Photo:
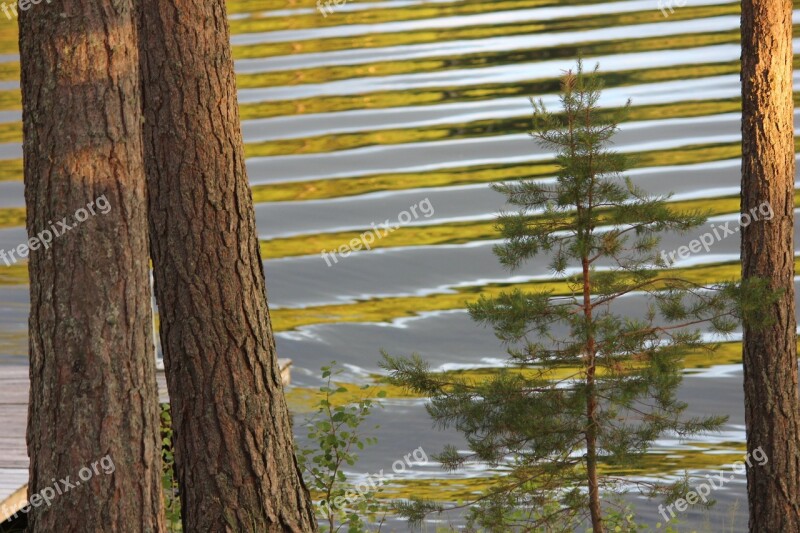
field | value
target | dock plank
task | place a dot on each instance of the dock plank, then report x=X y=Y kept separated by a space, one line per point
x=14 y=387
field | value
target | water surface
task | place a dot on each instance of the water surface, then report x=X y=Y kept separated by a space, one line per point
x=352 y=118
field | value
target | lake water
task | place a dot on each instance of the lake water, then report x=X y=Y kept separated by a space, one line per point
x=355 y=117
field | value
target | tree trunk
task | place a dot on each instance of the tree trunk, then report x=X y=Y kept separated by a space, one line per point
x=234 y=446
x=595 y=511
x=93 y=414
x=770 y=354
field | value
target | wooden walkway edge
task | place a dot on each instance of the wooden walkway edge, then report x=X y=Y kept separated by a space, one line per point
x=14 y=462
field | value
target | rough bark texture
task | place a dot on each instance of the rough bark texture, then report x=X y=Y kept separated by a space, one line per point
x=234 y=446
x=770 y=358
x=93 y=387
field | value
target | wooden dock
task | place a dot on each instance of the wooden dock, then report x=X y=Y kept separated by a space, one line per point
x=14 y=418
x=13 y=451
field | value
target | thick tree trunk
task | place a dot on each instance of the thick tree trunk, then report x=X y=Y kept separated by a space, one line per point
x=234 y=445
x=770 y=355
x=93 y=419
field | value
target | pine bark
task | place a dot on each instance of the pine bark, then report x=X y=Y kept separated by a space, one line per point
x=770 y=355
x=234 y=446
x=93 y=390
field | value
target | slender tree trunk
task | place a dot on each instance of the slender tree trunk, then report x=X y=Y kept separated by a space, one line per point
x=234 y=445
x=591 y=407
x=770 y=355
x=93 y=414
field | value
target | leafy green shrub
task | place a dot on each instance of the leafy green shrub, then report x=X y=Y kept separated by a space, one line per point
x=336 y=432
x=169 y=480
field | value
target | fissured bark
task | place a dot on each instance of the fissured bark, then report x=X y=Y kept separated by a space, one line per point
x=234 y=447
x=770 y=355
x=93 y=414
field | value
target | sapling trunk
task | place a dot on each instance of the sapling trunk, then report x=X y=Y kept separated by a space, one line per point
x=591 y=404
